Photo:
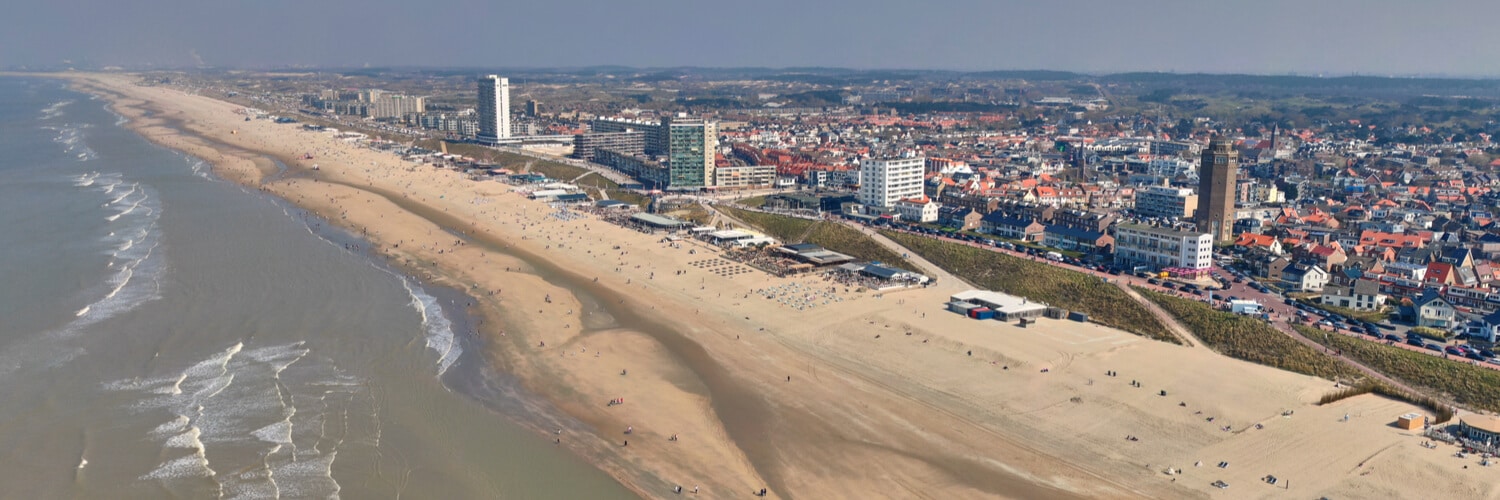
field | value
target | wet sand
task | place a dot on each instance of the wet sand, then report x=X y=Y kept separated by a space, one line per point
x=860 y=396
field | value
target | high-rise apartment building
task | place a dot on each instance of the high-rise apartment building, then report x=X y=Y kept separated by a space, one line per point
x=692 y=147
x=1165 y=202
x=533 y=108
x=883 y=181
x=1216 y=183
x=494 y=108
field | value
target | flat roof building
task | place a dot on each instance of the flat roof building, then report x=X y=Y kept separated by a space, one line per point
x=658 y=221
x=1482 y=428
x=1162 y=248
x=1166 y=202
x=630 y=142
x=1007 y=307
x=884 y=181
x=494 y=108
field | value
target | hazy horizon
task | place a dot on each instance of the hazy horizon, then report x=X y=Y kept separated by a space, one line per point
x=1268 y=37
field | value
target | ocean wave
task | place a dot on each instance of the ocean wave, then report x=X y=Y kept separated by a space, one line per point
x=437 y=329
x=71 y=137
x=284 y=412
x=435 y=324
x=55 y=109
x=132 y=249
x=199 y=167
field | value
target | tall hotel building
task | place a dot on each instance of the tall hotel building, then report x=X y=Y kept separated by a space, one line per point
x=494 y=108
x=1216 y=183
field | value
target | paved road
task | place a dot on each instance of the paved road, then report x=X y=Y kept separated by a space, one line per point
x=1286 y=316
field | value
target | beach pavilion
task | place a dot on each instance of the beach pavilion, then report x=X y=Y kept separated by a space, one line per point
x=1007 y=307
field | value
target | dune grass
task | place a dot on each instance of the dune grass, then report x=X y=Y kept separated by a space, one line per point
x=1251 y=339
x=1105 y=303
x=830 y=235
x=1474 y=387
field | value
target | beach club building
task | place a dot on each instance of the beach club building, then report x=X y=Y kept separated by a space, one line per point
x=737 y=238
x=1006 y=307
x=1482 y=428
x=654 y=221
x=812 y=254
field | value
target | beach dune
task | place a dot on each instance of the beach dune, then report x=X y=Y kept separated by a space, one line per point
x=866 y=396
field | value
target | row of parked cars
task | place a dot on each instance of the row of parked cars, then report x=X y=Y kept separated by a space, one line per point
x=1374 y=331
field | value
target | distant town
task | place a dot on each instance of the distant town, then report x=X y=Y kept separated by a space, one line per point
x=1369 y=211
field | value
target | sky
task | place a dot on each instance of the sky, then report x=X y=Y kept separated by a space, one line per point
x=1309 y=37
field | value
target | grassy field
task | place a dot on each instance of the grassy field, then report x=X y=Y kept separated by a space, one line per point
x=753 y=201
x=1471 y=386
x=630 y=197
x=1250 y=339
x=1105 y=303
x=830 y=235
x=845 y=239
x=787 y=229
x=694 y=213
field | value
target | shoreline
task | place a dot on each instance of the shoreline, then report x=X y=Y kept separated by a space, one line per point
x=467 y=320
x=871 y=412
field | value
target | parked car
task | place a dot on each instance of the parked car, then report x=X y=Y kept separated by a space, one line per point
x=1415 y=341
x=1454 y=351
x=1392 y=338
x=1434 y=347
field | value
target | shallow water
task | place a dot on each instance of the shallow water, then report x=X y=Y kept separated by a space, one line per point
x=167 y=334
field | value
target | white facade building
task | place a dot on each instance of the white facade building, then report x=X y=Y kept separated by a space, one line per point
x=1162 y=247
x=1166 y=202
x=883 y=182
x=917 y=209
x=494 y=108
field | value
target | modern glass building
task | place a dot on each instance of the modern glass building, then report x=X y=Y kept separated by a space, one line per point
x=691 y=147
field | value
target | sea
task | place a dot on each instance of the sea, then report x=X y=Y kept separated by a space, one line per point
x=167 y=334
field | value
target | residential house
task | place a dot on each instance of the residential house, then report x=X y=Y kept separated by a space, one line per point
x=1364 y=295
x=1485 y=328
x=999 y=224
x=961 y=218
x=1432 y=310
x=1304 y=277
x=1264 y=241
x=921 y=209
x=1076 y=239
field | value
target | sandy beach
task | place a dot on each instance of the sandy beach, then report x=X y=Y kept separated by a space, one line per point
x=852 y=395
